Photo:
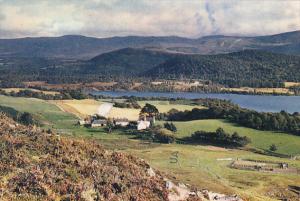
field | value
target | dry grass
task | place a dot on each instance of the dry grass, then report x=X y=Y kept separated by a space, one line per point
x=131 y=114
x=291 y=84
x=83 y=108
x=80 y=108
x=165 y=106
x=8 y=90
x=260 y=90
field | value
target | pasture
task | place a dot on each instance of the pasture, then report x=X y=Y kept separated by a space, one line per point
x=286 y=143
x=199 y=165
x=49 y=114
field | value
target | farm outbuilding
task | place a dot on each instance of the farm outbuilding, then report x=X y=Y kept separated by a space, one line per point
x=99 y=123
x=121 y=122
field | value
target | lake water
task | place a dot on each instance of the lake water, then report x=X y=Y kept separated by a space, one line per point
x=256 y=102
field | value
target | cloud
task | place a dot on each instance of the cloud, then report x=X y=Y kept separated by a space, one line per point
x=104 y=18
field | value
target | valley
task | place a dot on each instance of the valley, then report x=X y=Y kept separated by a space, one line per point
x=148 y=101
x=204 y=166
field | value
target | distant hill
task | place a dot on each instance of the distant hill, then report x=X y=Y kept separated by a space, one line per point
x=245 y=68
x=253 y=68
x=128 y=61
x=81 y=47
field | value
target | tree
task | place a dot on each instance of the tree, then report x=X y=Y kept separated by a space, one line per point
x=26 y=118
x=109 y=126
x=221 y=135
x=170 y=127
x=273 y=148
x=149 y=109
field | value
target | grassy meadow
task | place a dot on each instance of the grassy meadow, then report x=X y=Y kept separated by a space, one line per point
x=286 y=143
x=199 y=165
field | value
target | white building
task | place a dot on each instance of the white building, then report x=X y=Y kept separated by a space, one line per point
x=121 y=122
x=141 y=125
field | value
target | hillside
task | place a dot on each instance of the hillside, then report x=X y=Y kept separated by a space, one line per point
x=245 y=68
x=128 y=61
x=38 y=165
x=81 y=47
x=251 y=68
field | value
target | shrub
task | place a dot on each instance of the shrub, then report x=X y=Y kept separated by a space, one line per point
x=170 y=127
x=273 y=148
x=164 y=136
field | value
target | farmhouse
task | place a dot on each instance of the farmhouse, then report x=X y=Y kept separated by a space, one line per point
x=144 y=117
x=141 y=125
x=99 y=123
x=85 y=122
x=121 y=122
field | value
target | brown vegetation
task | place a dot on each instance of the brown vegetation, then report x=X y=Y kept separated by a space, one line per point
x=35 y=164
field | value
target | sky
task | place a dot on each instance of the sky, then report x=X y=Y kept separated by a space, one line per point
x=186 y=18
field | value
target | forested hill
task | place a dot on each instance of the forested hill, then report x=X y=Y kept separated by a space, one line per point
x=128 y=61
x=245 y=68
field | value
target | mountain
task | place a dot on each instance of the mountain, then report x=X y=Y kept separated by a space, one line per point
x=81 y=47
x=246 y=68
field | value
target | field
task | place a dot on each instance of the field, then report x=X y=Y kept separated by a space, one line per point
x=260 y=90
x=49 y=114
x=83 y=108
x=291 y=84
x=80 y=108
x=287 y=144
x=203 y=166
x=8 y=90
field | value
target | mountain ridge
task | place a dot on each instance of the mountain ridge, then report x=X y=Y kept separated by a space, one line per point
x=84 y=47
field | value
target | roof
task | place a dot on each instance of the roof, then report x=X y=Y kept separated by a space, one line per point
x=121 y=120
x=99 y=121
x=143 y=122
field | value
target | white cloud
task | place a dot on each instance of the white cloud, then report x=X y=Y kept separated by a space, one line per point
x=190 y=18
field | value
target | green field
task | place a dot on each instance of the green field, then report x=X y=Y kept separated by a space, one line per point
x=197 y=165
x=286 y=144
x=49 y=114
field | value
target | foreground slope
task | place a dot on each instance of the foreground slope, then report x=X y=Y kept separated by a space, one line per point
x=41 y=165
